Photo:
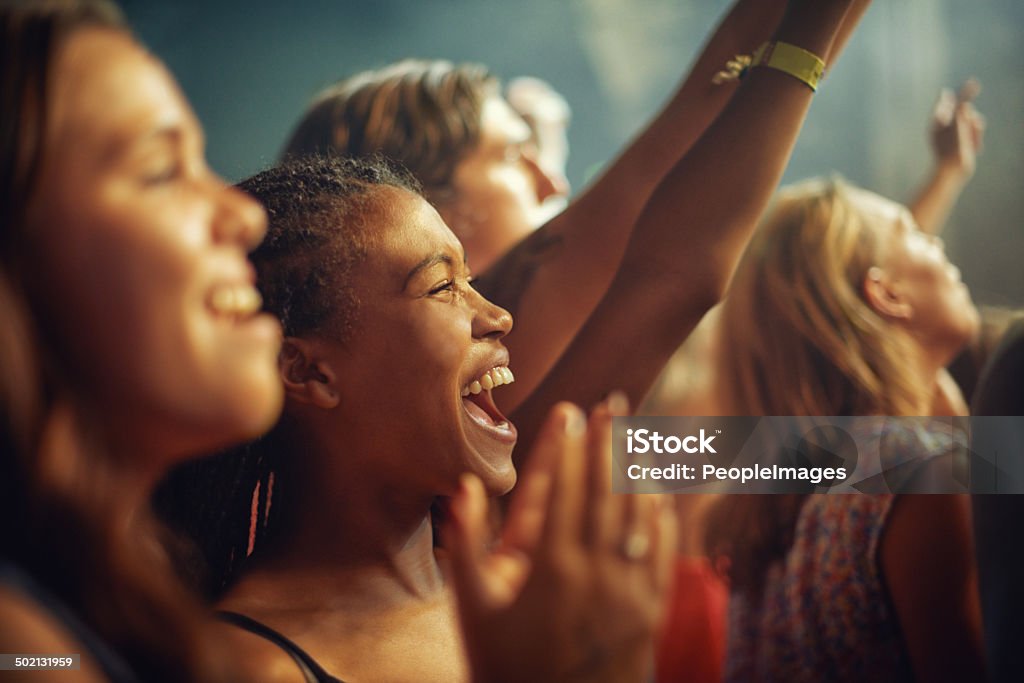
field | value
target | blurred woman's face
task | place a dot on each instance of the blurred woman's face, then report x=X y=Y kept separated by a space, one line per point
x=416 y=374
x=941 y=314
x=139 y=259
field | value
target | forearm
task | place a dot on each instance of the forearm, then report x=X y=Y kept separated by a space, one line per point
x=552 y=290
x=691 y=234
x=850 y=22
x=700 y=218
x=552 y=281
x=696 y=103
x=603 y=217
x=937 y=197
x=624 y=189
x=623 y=345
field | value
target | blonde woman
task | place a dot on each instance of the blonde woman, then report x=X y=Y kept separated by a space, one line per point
x=843 y=306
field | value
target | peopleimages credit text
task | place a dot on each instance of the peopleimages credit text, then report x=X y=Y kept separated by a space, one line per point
x=815 y=455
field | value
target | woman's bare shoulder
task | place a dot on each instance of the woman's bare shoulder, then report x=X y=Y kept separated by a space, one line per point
x=28 y=628
x=255 y=658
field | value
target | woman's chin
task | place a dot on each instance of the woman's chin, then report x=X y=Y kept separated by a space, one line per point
x=497 y=477
x=499 y=485
x=253 y=416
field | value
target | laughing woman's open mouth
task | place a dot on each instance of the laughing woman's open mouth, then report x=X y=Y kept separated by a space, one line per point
x=479 y=404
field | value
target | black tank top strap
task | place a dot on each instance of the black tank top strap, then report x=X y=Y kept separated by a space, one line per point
x=312 y=671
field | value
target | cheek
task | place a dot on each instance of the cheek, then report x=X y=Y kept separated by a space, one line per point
x=946 y=304
x=422 y=353
x=125 y=273
x=515 y=187
x=404 y=398
x=154 y=336
x=497 y=193
x=440 y=351
x=124 y=292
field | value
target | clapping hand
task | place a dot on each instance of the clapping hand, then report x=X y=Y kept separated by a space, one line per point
x=575 y=587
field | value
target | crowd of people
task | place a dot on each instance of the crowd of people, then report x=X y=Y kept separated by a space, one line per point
x=287 y=430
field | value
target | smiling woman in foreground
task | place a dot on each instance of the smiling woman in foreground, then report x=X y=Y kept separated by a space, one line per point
x=129 y=341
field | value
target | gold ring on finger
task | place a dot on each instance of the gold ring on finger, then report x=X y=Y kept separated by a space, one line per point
x=635 y=546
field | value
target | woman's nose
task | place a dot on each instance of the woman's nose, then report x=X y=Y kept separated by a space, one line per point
x=490 y=320
x=240 y=218
x=548 y=182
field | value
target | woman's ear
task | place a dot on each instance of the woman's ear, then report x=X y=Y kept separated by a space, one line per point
x=881 y=295
x=307 y=377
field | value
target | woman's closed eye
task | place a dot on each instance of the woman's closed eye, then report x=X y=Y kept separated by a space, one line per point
x=163 y=173
x=452 y=288
x=442 y=288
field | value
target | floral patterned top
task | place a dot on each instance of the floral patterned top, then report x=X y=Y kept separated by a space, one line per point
x=825 y=614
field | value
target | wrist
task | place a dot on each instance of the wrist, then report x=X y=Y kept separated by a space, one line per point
x=804 y=66
x=812 y=25
x=952 y=170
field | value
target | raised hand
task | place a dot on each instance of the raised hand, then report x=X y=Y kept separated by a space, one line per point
x=957 y=129
x=956 y=132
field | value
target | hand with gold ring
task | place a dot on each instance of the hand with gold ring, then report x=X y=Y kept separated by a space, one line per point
x=578 y=581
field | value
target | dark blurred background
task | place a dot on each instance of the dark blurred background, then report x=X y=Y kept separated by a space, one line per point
x=249 y=68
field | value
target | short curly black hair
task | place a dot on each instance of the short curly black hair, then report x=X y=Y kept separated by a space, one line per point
x=317 y=211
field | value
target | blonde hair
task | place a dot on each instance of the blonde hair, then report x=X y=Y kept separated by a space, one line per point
x=799 y=337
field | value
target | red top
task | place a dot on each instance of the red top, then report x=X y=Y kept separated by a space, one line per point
x=692 y=643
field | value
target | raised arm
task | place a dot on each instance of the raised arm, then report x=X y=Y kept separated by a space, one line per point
x=957 y=130
x=552 y=281
x=691 y=233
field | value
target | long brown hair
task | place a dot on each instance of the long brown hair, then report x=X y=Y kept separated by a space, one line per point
x=425 y=114
x=64 y=517
x=799 y=338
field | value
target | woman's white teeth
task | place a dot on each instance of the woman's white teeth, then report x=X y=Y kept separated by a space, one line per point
x=235 y=300
x=494 y=377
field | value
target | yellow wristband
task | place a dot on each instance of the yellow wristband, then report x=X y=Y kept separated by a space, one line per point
x=802 y=65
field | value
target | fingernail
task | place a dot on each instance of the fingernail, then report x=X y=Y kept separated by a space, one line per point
x=618 y=403
x=575 y=424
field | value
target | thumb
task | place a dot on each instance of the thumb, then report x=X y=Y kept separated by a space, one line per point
x=945 y=107
x=977 y=126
